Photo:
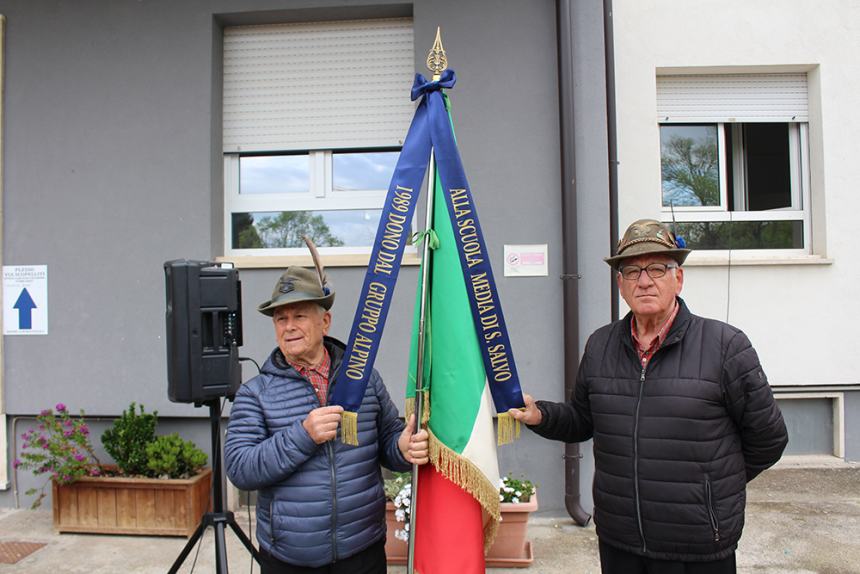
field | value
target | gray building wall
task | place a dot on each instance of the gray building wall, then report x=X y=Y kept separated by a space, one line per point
x=852 y=426
x=113 y=166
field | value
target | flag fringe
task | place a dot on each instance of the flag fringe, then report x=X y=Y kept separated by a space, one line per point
x=465 y=474
x=349 y=428
x=509 y=429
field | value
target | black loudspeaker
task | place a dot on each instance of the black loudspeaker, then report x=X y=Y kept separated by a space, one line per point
x=204 y=331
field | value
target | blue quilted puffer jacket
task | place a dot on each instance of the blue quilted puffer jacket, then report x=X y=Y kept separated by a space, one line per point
x=316 y=504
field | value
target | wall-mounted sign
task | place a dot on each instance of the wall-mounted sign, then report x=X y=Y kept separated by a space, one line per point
x=25 y=299
x=526 y=261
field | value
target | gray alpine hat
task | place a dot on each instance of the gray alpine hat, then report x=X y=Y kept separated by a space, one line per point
x=298 y=284
x=647 y=237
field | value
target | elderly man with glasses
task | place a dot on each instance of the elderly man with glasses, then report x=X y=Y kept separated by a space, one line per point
x=681 y=414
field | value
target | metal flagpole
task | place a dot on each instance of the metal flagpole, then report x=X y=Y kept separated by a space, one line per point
x=437 y=62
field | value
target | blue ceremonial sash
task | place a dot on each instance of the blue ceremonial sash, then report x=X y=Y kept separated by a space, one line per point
x=430 y=128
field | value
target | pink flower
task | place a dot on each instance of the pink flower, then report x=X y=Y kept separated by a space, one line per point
x=95 y=472
x=61 y=408
x=45 y=413
x=79 y=457
x=68 y=433
x=16 y=463
x=85 y=430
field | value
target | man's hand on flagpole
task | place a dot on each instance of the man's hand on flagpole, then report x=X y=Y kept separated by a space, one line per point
x=531 y=415
x=321 y=424
x=415 y=447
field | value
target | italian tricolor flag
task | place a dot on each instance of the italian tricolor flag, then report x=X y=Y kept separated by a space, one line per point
x=457 y=509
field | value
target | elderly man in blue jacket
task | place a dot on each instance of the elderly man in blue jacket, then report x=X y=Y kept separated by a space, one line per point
x=320 y=503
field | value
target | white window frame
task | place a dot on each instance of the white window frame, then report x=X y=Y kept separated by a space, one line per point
x=721 y=165
x=320 y=197
x=800 y=189
x=283 y=93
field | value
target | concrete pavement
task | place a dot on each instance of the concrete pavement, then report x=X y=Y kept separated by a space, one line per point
x=799 y=521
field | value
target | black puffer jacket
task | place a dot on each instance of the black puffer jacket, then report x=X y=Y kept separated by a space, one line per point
x=675 y=444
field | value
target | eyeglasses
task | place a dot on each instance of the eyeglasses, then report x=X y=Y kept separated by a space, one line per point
x=654 y=270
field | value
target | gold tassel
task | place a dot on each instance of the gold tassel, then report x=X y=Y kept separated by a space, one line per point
x=349 y=428
x=409 y=408
x=509 y=429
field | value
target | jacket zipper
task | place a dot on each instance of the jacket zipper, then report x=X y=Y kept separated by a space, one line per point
x=712 y=515
x=330 y=452
x=636 y=460
x=330 y=449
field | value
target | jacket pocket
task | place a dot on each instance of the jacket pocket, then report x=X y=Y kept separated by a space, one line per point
x=712 y=511
x=272 y=523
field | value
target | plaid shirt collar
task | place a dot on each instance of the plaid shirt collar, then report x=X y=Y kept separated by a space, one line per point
x=645 y=353
x=318 y=376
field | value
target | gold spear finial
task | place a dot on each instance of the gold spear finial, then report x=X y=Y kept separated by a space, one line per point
x=437 y=61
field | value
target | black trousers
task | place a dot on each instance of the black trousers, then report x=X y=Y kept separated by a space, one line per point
x=614 y=561
x=369 y=561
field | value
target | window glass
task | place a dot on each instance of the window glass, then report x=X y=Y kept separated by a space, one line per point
x=274 y=174
x=689 y=161
x=706 y=235
x=329 y=228
x=363 y=171
x=768 y=166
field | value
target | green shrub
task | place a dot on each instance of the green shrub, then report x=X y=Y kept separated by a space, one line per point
x=126 y=441
x=171 y=457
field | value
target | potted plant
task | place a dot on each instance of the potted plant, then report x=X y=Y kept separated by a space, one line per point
x=510 y=549
x=398 y=494
x=157 y=487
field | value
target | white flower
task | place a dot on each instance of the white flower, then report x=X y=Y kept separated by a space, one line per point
x=518 y=493
x=501 y=498
x=400 y=515
x=401 y=535
x=515 y=500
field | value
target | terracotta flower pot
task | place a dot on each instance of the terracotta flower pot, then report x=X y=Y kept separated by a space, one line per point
x=509 y=550
x=395 y=550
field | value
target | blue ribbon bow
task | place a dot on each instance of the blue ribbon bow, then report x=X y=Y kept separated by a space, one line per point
x=422 y=85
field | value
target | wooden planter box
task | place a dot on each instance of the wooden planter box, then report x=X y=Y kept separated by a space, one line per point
x=148 y=506
x=509 y=550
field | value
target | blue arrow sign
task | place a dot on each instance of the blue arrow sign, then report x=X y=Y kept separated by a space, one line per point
x=25 y=306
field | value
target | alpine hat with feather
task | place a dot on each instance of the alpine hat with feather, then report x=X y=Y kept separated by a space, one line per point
x=649 y=237
x=298 y=284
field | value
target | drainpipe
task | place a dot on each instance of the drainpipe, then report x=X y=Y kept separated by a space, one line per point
x=611 y=129
x=570 y=275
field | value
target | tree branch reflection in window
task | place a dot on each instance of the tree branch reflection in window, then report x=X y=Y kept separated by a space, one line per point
x=689 y=161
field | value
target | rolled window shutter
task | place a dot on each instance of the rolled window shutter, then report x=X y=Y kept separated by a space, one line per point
x=317 y=85
x=732 y=98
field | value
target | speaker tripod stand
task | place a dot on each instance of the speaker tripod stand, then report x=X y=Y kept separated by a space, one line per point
x=218 y=519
